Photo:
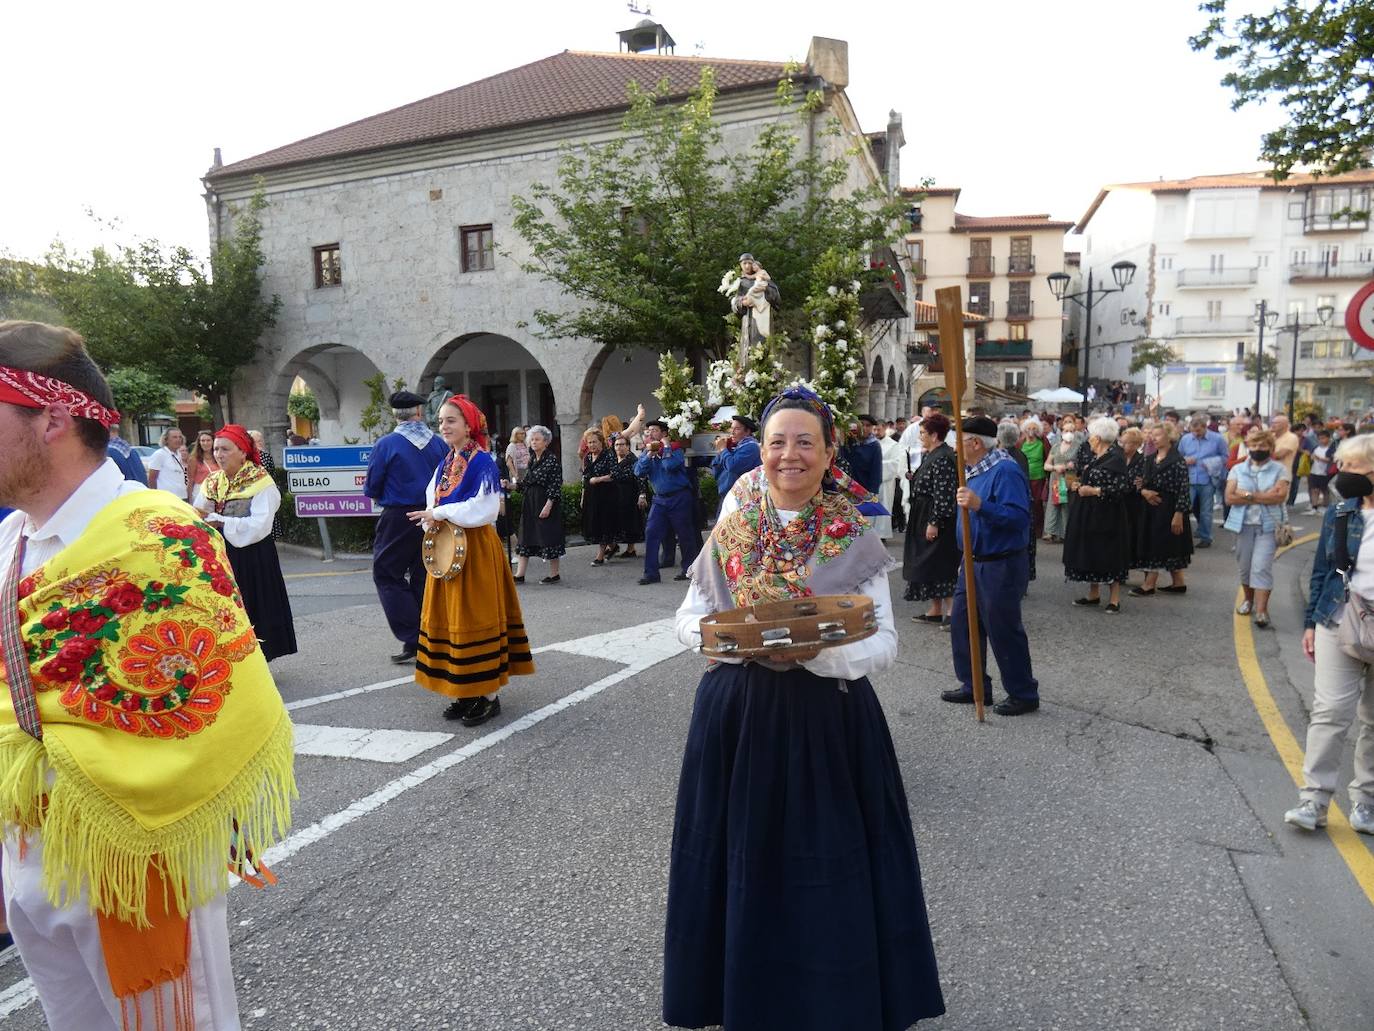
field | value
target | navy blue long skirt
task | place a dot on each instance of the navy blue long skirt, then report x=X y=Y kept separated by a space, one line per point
x=794 y=895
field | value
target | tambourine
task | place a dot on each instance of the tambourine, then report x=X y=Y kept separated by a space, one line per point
x=780 y=630
x=444 y=550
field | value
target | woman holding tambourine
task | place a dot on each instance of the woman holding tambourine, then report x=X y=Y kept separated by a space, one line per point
x=472 y=634
x=794 y=891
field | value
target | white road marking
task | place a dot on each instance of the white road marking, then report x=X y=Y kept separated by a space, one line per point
x=305 y=703
x=642 y=647
x=378 y=746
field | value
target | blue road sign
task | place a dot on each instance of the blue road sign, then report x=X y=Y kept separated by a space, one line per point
x=334 y=457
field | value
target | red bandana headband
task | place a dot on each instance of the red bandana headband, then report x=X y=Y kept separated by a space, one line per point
x=30 y=390
x=472 y=415
x=238 y=436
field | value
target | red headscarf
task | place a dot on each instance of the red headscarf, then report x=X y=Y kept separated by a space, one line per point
x=238 y=436
x=31 y=390
x=472 y=415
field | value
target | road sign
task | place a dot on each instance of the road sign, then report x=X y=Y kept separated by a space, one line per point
x=1359 y=316
x=310 y=506
x=327 y=481
x=340 y=457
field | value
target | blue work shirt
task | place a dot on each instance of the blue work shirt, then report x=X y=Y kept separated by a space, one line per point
x=1002 y=522
x=865 y=461
x=1212 y=445
x=666 y=474
x=4 y=512
x=127 y=459
x=732 y=463
x=398 y=472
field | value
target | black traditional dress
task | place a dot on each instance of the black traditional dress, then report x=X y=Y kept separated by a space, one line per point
x=794 y=890
x=629 y=520
x=1135 y=504
x=599 y=500
x=1157 y=546
x=543 y=479
x=931 y=568
x=1097 y=544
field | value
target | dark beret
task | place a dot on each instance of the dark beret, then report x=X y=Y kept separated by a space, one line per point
x=748 y=423
x=657 y=422
x=980 y=426
x=405 y=399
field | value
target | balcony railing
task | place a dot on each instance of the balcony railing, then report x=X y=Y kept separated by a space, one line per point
x=918 y=268
x=1003 y=349
x=1341 y=223
x=1222 y=325
x=980 y=306
x=1195 y=277
x=1020 y=310
x=1331 y=270
x=1021 y=265
x=982 y=265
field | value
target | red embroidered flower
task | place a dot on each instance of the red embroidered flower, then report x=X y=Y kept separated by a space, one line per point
x=85 y=622
x=838 y=528
x=77 y=649
x=212 y=567
x=123 y=599
x=222 y=585
x=179 y=531
x=734 y=567
x=204 y=550
x=105 y=692
x=189 y=681
x=26 y=586
x=57 y=619
x=131 y=703
x=197 y=534
x=61 y=669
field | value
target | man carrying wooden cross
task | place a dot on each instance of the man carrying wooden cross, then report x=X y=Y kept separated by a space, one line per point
x=997 y=499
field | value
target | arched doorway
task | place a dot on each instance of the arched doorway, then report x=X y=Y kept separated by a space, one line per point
x=501 y=377
x=337 y=375
x=877 y=390
x=892 y=396
x=903 y=398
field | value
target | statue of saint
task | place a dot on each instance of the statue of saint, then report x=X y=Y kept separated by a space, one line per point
x=436 y=400
x=753 y=303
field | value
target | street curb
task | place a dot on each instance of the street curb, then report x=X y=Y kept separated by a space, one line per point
x=310 y=551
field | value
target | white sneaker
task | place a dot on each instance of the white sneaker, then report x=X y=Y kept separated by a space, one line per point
x=1362 y=818
x=1311 y=512
x=1306 y=814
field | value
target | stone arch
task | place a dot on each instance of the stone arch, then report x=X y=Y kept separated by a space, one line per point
x=892 y=396
x=503 y=377
x=335 y=373
x=903 y=397
x=618 y=379
x=877 y=390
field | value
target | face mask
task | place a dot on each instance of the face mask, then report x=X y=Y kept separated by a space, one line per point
x=1067 y=435
x=1352 y=485
x=1259 y=457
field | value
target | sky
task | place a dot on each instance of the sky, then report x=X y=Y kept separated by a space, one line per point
x=115 y=109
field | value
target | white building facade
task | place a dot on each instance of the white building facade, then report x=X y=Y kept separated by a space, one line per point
x=390 y=241
x=1208 y=251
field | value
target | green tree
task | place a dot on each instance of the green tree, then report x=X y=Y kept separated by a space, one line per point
x=1269 y=368
x=138 y=392
x=303 y=405
x=1317 y=60
x=375 y=419
x=167 y=311
x=22 y=295
x=1151 y=354
x=636 y=232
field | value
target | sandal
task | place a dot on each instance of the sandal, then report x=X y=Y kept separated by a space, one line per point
x=1243 y=609
x=1261 y=619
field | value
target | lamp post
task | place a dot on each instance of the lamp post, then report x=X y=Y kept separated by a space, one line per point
x=1122 y=273
x=1294 y=323
x=1263 y=317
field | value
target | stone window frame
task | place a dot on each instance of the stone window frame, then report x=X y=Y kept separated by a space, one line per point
x=486 y=251
x=328 y=265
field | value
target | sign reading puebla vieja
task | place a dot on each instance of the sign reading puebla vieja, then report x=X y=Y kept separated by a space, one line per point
x=328 y=481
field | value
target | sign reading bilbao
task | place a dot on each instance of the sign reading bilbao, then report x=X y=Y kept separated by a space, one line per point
x=328 y=481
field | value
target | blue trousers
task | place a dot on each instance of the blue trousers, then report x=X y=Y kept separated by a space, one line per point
x=399 y=573
x=1202 y=498
x=675 y=512
x=1000 y=582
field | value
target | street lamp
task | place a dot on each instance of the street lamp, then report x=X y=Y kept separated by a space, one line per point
x=1263 y=317
x=1122 y=274
x=1294 y=323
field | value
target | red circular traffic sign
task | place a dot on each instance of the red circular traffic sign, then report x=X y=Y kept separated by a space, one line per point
x=1359 y=316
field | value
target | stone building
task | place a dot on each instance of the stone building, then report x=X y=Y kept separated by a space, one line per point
x=390 y=240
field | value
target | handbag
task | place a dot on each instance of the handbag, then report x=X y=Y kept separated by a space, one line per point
x=1283 y=533
x=1355 y=632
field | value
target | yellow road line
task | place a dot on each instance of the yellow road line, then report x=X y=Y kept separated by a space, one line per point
x=337 y=572
x=1357 y=857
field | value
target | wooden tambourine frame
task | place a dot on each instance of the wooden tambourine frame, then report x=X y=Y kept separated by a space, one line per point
x=444 y=551
x=779 y=631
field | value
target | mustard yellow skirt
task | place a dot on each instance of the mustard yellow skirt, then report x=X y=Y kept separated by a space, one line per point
x=472 y=634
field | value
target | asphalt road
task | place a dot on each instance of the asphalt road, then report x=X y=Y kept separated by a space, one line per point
x=1116 y=861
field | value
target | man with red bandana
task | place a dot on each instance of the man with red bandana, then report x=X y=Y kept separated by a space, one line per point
x=144 y=750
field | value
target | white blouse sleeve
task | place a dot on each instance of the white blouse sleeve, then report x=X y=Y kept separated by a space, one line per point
x=257 y=525
x=478 y=511
x=871 y=655
x=199 y=502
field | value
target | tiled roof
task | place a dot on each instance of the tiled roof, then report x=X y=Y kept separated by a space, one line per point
x=973 y=223
x=1235 y=180
x=562 y=86
x=927 y=316
x=931 y=191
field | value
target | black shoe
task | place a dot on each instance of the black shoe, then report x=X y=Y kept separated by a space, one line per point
x=460 y=708
x=960 y=697
x=682 y=576
x=1140 y=592
x=1112 y=607
x=483 y=710
x=1203 y=544
x=407 y=655
x=645 y=580
x=926 y=617
x=1015 y=707
x=1087 y=601
x=519 y=579
x=598 y=561
x=1171 y=589
x=551 y=580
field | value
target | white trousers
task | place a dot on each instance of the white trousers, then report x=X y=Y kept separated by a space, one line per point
x=1344 y=695
x=61 y=952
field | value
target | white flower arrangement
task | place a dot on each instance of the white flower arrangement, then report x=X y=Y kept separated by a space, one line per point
x=854 y=286
x=822 y=331
x=729 y=283
x=839 y=323
x=832 y=290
